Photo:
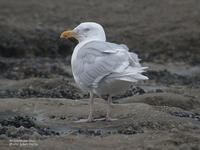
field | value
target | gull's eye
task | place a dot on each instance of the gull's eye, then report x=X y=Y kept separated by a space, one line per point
x=86 y=29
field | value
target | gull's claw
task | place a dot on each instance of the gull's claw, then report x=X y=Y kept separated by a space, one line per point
x=94 y=120
x=111 y=119
x=84 y=120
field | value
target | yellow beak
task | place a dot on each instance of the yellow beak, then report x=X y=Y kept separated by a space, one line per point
x=67 y=34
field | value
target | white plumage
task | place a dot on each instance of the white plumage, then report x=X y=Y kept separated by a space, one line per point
x=101 y=67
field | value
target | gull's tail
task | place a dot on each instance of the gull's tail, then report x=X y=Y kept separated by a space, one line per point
x=131 y=74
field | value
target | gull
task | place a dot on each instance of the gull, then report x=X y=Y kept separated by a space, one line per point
x=100 y=67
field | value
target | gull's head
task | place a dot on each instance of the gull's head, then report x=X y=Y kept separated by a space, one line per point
x=86 y=31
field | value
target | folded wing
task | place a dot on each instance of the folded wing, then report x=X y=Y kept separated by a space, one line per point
x=98 y=60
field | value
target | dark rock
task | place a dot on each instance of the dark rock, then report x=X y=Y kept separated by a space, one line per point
x=25 y=68
x=23 y=127
x=186 y=114
x=130 y=92
x=159 y=91
x=18 y=121
x=90 y=132
x=130 y=129
x=168 y=78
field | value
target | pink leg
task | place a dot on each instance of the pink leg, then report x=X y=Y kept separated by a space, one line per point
x=91 y=105
x=108 y=114
x=90 y=117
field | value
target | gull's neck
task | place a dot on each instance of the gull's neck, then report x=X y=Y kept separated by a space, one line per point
x=87 y=40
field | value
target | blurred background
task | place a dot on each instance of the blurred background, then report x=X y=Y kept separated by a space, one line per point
x=158 y=30
x=35 y=62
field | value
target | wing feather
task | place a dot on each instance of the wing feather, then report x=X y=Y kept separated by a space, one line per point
x=97 y=60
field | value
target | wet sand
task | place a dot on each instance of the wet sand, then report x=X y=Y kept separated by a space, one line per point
x=163 y=113
x=141 y=124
